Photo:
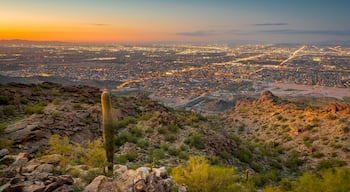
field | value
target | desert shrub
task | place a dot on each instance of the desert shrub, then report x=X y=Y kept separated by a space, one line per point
x=241 y=127
x=4 y=142
x=142 y=143
x=124 y=137
x=331 y=117
x=330 y=180
x=94 y=155
x=170 y=137
x=155 y=155
x=271 y=188
x=124 y=122
x=173 y=151
x=9 y=110
x=3 y=126
x=199 y=176
x=192 y=118
x=281 y=118
x=91 y=175
x=174 y=128
x=56 y=113
x=183 y=155
x=307 y=141
x=161 y=130
x=136 y=131
x=345 y=129
x=329 y=163
x=56 y=101
x=293 y=161
x=245 y=155
x=195 y=140
x=224 y=155
x=127 y=157
x=235 y=137
x=32 y=109
x=61 y=147
x=263 y=179
x=4 y=100
x=77 y=106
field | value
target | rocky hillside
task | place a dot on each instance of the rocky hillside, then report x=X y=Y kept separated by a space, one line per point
x=32 y=113
x=51 y=139
x=316 y=134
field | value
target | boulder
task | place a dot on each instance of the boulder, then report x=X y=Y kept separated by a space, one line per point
x=95 y=185
x=47 y=168
x=34 y=188
x=4 y=152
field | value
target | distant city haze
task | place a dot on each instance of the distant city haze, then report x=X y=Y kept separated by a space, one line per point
x=139 y=21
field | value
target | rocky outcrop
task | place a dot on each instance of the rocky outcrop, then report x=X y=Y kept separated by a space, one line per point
x=143 y=179
x=267 y=96
x=335 y=107
x=21 y=174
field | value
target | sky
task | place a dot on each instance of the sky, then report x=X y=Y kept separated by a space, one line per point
x=216 y=21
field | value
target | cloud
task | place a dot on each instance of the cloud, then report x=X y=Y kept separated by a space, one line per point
x=270 y=24
x=196 y=33
x=100 y=24
x=236 y=32
x=308 y=32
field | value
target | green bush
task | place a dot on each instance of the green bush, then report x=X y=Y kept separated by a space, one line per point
x=9 y=110
x=3 y=126
x=142 y=143
x=245 y=155
x=128 y=157
x=199 y=176
x=91 y=175
x=224 y=155
x=4 y=100
x=173 y=151
x=329 y=163
x=331 y=117
x=174 y=128
x=293 y=161
x=195 y=140
x=161 y=130
x=77 y=106
x=156 y=155
x=124 y=137
x=32 y=109
x=94 y=155
x=171 y=138
x=330 y=180
x=263 y=179
x=136 y=131
x=56 y=101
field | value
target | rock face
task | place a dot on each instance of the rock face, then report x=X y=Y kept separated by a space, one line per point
x=71 y=111
x=266 y=96
x=143 y=179
x=22 y=174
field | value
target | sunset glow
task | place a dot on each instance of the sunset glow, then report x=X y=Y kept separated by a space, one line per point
x=154 y=21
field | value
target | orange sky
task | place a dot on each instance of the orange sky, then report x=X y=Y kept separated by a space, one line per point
x=180 y=20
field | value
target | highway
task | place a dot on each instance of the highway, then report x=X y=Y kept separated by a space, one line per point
x=293 y=55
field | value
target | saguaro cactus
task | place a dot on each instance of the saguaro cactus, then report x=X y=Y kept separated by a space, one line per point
x=107 y=128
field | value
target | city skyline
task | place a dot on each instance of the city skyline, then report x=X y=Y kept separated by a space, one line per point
x=175 y=21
